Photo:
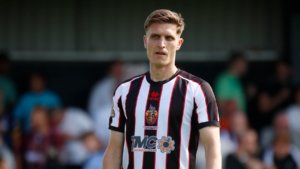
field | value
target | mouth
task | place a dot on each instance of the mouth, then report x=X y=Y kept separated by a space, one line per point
x=161 y=53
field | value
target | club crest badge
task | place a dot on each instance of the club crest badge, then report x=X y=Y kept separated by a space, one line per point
x=151 y=115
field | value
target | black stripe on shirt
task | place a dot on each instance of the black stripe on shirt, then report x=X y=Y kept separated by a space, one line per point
x=149 y=157
x=175 y=119
x=131 y=102
x=194 y=139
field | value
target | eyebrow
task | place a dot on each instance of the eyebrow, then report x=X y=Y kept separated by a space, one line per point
x=156 y=34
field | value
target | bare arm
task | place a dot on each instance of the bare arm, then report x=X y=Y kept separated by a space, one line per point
x=113 y=154
x=210 y=138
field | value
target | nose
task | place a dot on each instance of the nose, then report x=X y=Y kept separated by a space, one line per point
x=162 y=43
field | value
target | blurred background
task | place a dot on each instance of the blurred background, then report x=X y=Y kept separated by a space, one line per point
x=60 y=61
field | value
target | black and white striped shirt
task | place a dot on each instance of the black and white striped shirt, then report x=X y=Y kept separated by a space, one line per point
x=161 y=120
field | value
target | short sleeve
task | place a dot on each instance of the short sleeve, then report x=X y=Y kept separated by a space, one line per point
x=205 y=106
x=117 y=119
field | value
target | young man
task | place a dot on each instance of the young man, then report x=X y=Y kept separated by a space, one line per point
x=157 y=117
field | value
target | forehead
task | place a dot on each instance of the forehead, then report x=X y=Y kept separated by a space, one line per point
x=162 y=29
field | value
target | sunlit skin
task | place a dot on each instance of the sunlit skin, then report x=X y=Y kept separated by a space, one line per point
x=161 y=42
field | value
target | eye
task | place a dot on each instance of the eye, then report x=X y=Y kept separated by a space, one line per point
x=154 y=37
x=170 y=38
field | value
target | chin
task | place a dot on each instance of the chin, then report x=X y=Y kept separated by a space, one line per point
x=159 y=64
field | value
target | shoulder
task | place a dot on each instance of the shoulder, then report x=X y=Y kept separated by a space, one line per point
x=128 y=82
x=195 y=80
x=134 y=78
x=191 y=78
x=199 y=85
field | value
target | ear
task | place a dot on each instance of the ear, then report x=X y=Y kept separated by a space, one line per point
x=145 y=41
x=180 y=42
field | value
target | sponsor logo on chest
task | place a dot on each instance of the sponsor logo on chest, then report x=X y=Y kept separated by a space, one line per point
x=151 y=144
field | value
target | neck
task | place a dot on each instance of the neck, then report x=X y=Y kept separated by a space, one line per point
x=162 y=73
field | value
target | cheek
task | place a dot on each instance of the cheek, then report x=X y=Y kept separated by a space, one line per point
x=149 y=47
x=172 y=50
x=173 y=47
x=149 y=51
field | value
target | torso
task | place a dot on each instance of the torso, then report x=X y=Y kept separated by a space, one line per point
x=161 y=123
